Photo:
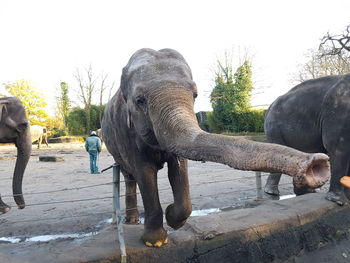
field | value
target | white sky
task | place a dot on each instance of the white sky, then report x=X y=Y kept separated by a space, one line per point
x=45 y=41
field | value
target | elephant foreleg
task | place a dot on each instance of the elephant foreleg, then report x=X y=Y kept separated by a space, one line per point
x=340 y=165
x=46 y=142
x=4 y=208
x=39 y=141
x=154 y=233
x=271 y=186
x=132 y=214
x=177 y=213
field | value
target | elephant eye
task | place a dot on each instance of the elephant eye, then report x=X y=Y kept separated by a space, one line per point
x=141 y=101
x=195 y=95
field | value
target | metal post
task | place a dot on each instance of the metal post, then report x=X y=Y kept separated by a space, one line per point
x=117 y=217
x=258 y=185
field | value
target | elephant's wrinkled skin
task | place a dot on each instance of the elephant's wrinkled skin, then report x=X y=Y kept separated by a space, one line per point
x=314 y=117
x=150 y=121
x=14 y=128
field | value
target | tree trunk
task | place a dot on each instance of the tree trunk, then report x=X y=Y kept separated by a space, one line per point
x=88 y=119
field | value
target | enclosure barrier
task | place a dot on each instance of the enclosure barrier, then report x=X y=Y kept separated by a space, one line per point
x=117 y=215
x=258 y=185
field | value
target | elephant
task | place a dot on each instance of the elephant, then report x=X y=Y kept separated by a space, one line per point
x=313 y=117
x=150 y=121
x=39 y=133
x=15 y=128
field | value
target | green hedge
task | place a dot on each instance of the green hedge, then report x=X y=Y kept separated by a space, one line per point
x=247 y=121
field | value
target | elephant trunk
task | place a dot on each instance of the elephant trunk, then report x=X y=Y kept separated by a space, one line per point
x=24 y=148
x=177 y=130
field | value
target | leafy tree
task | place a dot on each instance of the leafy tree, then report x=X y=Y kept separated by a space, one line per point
x=231 y=95
x=64 y=106
x=76 y=120
x=244 y=87
x=33 y=101
x=55 y=126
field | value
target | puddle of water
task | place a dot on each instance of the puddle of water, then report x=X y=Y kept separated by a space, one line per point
x=283 y=197
x=77 y=236
x=46 y=238
x=12 y=240
x=205 y=212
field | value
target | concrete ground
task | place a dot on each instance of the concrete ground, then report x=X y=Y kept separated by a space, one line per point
x=63 y=199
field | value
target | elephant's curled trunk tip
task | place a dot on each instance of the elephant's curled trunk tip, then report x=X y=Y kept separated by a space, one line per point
x=316 y=171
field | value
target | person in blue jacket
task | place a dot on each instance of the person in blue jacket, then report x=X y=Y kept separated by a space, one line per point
x=93 y=147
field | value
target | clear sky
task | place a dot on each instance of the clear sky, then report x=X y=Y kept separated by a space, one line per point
x=45 y=41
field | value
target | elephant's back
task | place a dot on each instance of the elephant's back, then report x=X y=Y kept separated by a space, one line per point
x=304 y=101
x=36 y=131
x=299 y=114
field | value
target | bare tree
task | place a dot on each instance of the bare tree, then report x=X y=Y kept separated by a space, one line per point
x=103 y=88
x=110 y=90
x=332 y=45
x=86 y=90
x=88 y=86
x=319 y=65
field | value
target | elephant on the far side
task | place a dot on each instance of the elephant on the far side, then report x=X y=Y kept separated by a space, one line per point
x=314 y=116
x=39 y=133
x=15 y=128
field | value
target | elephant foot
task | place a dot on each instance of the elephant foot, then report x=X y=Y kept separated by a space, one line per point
x=20 y=201
x=134 y=219
x=172 y=220
x=271 y=189
x=21 y=206
x=132 y=216
x=303 y=191
x=347 y=193
x=155 y=238
x=4 y=208
x=337 y=198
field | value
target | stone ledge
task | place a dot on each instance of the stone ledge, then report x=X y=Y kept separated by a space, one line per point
x=273 y=231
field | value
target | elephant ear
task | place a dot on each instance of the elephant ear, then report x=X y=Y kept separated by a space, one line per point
x=3 y=109
x=124 y=83
x=8 y=120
